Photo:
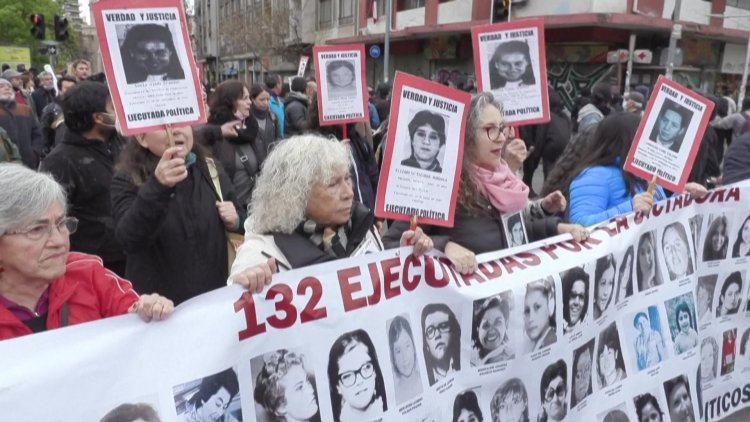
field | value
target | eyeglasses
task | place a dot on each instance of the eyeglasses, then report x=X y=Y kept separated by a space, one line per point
x=493 y=132
x=349 y=378
x=431 y=331
x=67 y=225
x=552 y=392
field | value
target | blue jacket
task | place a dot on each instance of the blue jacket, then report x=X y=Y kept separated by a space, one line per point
x=374 y=117
x=277 y=107
x=599 y=193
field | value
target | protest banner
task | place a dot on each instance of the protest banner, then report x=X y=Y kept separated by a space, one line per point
x=633 y=319
x=510 y=61
x=669 y=135
x=149 y=64
x=422 y=159
x=340 y=72
x=302 y=65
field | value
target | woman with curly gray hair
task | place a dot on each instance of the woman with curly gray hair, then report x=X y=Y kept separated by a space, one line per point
x=303 y=213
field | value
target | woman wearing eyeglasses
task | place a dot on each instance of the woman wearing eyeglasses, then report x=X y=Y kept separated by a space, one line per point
x=489 y=188
x=441 y=342
x=554 y=392
x=43 y=285
x=355 y=380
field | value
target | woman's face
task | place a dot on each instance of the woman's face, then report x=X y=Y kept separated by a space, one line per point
x=299 y=395
x=704 y=300
x=512 y=66
x=650 y=414
x=492 y=329
x=357 y=360
x=467 y=416
x=342 y=76
x=746 y=231
x=517 y=233
x=486 y=152
x=425 y=143
x=683 y=320
x=643 y=325
x=535 y=314
x=680 y=404
x=582 y=375
x=707 y=361
x=152 y=56
x=404 y=355
x=731 y=299
x=330 y=204
x=158 y=141
x=440 y=342
x=608 y=361
x=675 y=252
x=605 y=285
x=576 y=301
x=646 y=256
x=626 y=271
x=213 y=409
x=511 y=408
x=719 y=238
x=554 y=399
x=261 y=101
x=41 y=260
x=242 y=104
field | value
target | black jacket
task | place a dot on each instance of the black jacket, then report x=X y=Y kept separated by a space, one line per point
x=295 y=114
x=479 y=232
x=175 y=241
x=85 y=168
x=737 y=160
x=41 y=98
x=365 y=169
x=19 y=121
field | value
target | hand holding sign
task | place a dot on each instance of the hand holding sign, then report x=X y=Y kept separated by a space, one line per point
x=171 y=169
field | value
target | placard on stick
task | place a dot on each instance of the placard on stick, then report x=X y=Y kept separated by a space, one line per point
x=149 y=64
x=422 y=161
x=340 y=73
x=510 y=62
x=669 y=135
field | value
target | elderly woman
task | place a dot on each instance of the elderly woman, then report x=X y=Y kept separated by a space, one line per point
x=303 y=213
x=172 y=207
x=42 y=285
x=488 y=189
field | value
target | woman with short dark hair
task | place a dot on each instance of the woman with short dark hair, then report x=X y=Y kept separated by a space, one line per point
x=466 y=408
x=210 y=402
x=148 y=54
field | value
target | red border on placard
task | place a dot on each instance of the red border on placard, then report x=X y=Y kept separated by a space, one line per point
x=696 y=143
x=339 y=48
x=519 y=24
x=103 y=5
x=439 y=90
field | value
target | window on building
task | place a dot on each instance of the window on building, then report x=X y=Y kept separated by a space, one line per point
x=408 y=4
x=741 y=4
x=346 y=12
x=325 y=13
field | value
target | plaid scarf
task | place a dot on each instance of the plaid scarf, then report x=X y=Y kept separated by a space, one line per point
x=329 y=240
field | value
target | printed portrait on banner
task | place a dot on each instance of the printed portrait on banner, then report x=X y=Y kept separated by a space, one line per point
x=340 y=71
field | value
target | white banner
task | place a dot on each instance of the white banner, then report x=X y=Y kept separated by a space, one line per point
x=649 y=315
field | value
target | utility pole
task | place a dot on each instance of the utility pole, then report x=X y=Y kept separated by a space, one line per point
x=387 y=49
x=673 y=37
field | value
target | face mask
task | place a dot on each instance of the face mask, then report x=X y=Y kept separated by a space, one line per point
x=110 y=120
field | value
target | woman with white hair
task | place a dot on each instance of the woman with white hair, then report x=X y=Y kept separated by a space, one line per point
x=43 y=285
x=303 y=213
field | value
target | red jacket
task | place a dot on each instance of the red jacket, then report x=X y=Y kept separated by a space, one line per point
x=91 y=292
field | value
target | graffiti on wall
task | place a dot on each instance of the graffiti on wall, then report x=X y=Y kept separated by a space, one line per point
x=570 y=79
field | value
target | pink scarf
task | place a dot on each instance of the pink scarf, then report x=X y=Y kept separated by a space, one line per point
x=505 y=191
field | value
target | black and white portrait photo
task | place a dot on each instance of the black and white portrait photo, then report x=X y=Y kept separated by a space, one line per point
x=647 y=262
x=441 y=342
x=426 y=140
x=539 y=314
x=583 y=364
x=209 y=399
x=553 y=390
x=717 y=239
x=489 y=330
x=604 y=284
x=342 y=79
x=510 y=403
x=730 y=295
x=511 y=65
x=149 y=54
x=676 y=249
x=744 y=356
x=615 y=414
x=610 y=366
x=515 y=229
x=625 y=276
x=284 y=387
x=355 y=379
x=407 y=380
x=466 y=407
x=671 y=125
x=647 y=339
x=647 y=407
x=575 y=296
x=682 y=322
x=696 y=225
x=709 y=360
x=741 y=245
x=704 y=297
x=132 y=412
x=679 y=400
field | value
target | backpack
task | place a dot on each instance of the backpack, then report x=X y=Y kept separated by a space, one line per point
x=8 y=150
x=746 y=126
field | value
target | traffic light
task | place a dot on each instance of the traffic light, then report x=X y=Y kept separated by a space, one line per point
x=37 y=29
x=61 y=28
x=500 y=10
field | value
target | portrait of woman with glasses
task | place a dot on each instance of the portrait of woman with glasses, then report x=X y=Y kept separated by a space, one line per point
x=553 y=390
x=426 y=138
x=441 y=342
x=355 y=379
x=148 y=54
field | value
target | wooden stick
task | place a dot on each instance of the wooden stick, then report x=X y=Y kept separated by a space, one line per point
x=651 y=185
x=413 y=225
x=170 y=135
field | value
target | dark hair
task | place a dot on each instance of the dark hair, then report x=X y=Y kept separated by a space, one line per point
x=338 y=64
x=646 y=399
x=522 y=47
x=738 y=242
x=466 y=400
x=601 y=97
x=602 y=265
x=211 y=384
x=149 y=32
x=512 y=386
x=271 y=81
x=683 y=112
x=341 y=346
x=568 y=280
x=734 y=278
x=718 y=226
x=554 y=370
x=683 y=308
x=426 y=117
x=608 y=338
x=298 y=84
x=622 y=275
x=81 y=102
x=680 y=230
x=638 y=316
x=130 y=412
x=399 y=325
x=383 y=90
x=255 y=90
x=586 y=348
x=453 y=349
x=481 y=308
x=221 y=103
x=616 y=415
x=70 y=79
x=743 y=342
x=671 y=385
x=647 y=237
x=578 y=148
